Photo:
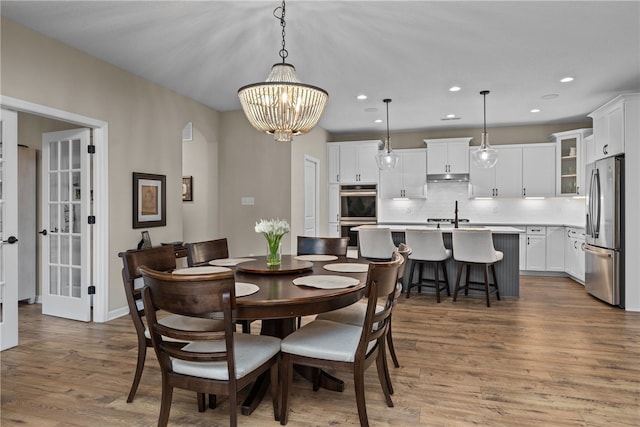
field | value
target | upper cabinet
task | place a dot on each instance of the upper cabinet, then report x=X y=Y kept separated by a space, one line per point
x=448 y=156
x=571 y=154
x=358 y=162
x=333 y=163
x=409 y=178
x=615 y=124
x=526 y=170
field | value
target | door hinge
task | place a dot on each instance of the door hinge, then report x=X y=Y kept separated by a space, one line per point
x=92 y=290
x=91 y=149
x=91 y=219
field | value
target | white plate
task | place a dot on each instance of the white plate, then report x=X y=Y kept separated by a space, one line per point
x=205 y=269
x=229 y=262
x=243 y=289
x=316 y=257
x=326 y=281
x=347 y=267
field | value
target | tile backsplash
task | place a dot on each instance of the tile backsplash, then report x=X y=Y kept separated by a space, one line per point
x=440 y=203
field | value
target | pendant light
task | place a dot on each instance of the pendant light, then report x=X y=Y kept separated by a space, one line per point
x=485 y=156
x=281 y=105
x=387 y=159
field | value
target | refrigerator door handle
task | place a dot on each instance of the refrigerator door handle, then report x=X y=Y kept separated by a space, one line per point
x=597 y=252
x=597 y=207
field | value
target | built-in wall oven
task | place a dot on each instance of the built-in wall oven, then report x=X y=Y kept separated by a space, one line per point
x=358 y=206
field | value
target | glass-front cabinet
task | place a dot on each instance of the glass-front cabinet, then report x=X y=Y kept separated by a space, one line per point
x=570 y=164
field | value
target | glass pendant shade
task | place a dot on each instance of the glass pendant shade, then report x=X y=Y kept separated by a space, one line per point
x=485 y=156
x=387 y=159
x=283 y=106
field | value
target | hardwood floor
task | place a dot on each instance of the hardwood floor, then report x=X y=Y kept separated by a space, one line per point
x=553 y=357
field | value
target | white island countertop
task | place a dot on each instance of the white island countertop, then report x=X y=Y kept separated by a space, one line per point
x=446 y=228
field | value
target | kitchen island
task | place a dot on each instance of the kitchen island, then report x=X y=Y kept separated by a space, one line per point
x=505 y=240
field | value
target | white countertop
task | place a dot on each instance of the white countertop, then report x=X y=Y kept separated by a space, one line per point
x=492 y=224
x=446 y=228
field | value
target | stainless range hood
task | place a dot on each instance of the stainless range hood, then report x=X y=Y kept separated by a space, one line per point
x=448 y=177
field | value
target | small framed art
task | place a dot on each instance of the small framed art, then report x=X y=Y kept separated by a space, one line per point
x=187 y=189
x=149 y=200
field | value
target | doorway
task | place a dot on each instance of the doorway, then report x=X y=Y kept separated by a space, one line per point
x=99 y=262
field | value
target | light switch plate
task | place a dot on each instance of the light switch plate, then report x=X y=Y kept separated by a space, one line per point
x=245 y=201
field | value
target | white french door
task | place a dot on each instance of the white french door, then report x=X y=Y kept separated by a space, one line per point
x=66 y=238
x=9 y=238
x=311 y=195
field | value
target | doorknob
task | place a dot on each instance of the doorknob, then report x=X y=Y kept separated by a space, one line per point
x=43 y=232
x=11 y=240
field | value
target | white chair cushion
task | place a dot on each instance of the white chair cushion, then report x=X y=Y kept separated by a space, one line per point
x=188 y=324
x=324 y=339
x=351 y=315
x=250 y=351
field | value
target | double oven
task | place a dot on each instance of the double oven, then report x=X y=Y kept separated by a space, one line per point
x=358 y=206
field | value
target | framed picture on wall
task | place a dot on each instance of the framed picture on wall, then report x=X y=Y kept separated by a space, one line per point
x=187 y=189
x=149 y=200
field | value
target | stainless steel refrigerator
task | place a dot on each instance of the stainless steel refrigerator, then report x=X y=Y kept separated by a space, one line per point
x=604 y=234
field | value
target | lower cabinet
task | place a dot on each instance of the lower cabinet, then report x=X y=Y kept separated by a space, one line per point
x=574 y=253
x=536 y=248
x=555 y=249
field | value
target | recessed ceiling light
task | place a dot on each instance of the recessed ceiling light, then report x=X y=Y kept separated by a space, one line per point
x=377 y=121
x=450 y=116
x=362 y=97
x=454 y=88
x=566 y=79
x=535 y=110
x=550 y=96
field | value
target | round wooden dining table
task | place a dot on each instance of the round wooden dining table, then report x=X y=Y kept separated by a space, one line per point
x=279 y=302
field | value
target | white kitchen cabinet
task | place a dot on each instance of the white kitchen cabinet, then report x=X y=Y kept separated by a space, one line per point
x=588 y=149
x=555 y=248
x=448 y=155
x=333 y=163
x=570 y=161
x=333 y=203
x=538 y=170
x=574 y=253
x=358 y=162
x=409 y=178
x=523 y=248
x=536 y=248
x=615 y=124
x=502 y=180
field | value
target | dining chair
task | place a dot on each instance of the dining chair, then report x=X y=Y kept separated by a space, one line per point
x=325 y=344
x=200 y=253
x=213 y=362
x=375 y=244
x=354 y=314
x=428 y=250
x=160 y=258
x=473 y=247
x=308 y=245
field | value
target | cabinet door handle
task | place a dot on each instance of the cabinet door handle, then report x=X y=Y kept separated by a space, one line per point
x=338 y=178
x=528 y=241
x=605 y=148
x=575 y=244
x=524 y=192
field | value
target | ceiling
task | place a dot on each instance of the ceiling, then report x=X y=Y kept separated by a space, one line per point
x=412 y=52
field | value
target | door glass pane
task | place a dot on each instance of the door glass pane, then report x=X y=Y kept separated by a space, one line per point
x=53 y=186
x=75 y=189
x=75 y=218
x=64 y=281
x=65 y=218
x=53 y=156
x=53 y=280
x=76 y=247
x=64 y=250
x=64 y=154
x=75 y=282
x=53 y=249
x=53 y=218
x=64 y=186
x=75 y=154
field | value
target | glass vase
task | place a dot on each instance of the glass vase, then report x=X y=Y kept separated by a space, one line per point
x=274 y=258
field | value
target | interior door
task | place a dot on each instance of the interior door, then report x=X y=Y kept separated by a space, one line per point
x=65 y=266
x=8 y=229
x=311 y=192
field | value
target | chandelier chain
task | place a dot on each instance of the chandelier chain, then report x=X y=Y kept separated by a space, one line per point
x=279 y=13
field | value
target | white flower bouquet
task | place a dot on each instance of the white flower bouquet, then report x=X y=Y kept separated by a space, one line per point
x=273 y=230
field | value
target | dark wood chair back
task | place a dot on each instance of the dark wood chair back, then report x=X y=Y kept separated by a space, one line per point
x=323 y=245
x=204 y=296
x=161 y=258
x=200 y=253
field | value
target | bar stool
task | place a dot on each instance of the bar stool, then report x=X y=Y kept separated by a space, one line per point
x=376 y=244
x=428 y=249
x=474 y=247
